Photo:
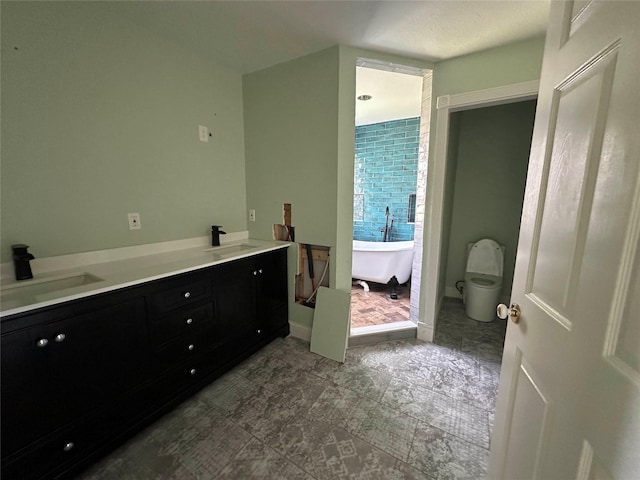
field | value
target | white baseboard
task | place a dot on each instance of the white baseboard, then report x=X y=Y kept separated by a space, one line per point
x=300 y=331
x=425 y=332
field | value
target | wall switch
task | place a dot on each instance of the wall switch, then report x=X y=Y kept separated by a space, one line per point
x=203 y=132
x=134 y=221
x=252 y=215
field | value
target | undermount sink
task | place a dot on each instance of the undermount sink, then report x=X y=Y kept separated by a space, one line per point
x=16 y=294
x=231 y=249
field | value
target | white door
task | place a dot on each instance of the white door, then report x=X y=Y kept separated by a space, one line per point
x=569 y=398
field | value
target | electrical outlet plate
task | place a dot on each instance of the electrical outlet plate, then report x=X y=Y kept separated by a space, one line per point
x=134 y=221
x=252 y=215
x=203 y=133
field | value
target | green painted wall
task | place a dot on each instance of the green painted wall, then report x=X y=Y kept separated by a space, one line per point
x=290 y=113
x=491 y=169
x=291 y=143
x=100 y=118
x=449 y=186
x=505 y=65
x=299 y=145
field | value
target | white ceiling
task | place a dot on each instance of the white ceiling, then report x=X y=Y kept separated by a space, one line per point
x=247 y=36
x=393 y=96
x=251 y=35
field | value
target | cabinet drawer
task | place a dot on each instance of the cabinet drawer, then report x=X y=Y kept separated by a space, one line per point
x=56 y=454
x=185 y=348
x=175 y=381
x=178 y=293
x=183 y=322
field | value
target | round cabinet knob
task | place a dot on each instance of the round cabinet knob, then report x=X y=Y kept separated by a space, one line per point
x=189 y=321
x=513 y=312
x=191 y=346
x=192 y=371
x=258 y=331
x=187 y=294
x=255 y=272
x=43 y=342
x=260 y=270
x=68 y=446
x=60 y=337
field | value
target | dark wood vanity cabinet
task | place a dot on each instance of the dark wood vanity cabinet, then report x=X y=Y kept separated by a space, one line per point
x=252 y=300
x=66 y=365
x=79 y=378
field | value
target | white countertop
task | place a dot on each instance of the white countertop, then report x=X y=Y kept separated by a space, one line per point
x=26 y=295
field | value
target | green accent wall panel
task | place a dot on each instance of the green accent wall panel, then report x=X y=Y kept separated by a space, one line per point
x=100 y=118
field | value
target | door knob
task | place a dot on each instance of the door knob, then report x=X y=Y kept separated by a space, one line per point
x=513 y=312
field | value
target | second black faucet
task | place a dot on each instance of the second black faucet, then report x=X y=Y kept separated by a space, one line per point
x=215 y=235
x=21 y=259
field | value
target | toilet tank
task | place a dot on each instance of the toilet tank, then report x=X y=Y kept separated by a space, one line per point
x=485 y=256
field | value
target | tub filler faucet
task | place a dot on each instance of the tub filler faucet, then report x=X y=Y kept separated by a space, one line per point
x=21 y=260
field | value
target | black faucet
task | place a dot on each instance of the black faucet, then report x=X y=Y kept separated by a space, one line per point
x=215 y=235
x=21 y=261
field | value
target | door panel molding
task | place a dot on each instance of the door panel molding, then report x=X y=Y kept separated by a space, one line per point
x=569 y=178
x=624 y=318
x=527 y=400
x=589 y=468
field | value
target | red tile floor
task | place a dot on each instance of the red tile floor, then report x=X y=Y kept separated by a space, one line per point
x=376 y=307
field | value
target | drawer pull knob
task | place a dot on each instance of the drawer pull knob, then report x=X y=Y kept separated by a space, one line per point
x=43 y=342
x=192 y=371
x=255 y=272
x=68 y=446
x=191 y=346
x=259 y=331
x=260 y=270
x=60 y=337
x=187 y=294
x=189 y=321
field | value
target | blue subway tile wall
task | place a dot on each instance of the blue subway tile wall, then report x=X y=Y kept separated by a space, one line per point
x=386 y=172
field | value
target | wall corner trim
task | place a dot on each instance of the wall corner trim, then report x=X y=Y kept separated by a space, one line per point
x=443 y=101
x=425 y=332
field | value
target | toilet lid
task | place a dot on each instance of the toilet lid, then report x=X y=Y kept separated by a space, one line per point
x=485 y=256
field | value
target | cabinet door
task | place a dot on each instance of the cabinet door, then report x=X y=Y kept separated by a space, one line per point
x=54 y=373
x=103 y=354
x=27 y=386
x=235 y=289
x=273 y=290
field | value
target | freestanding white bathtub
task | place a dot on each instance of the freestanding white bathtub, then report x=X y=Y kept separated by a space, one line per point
x=380 y=261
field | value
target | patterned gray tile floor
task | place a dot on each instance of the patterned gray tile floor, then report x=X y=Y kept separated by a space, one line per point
x=395 y=410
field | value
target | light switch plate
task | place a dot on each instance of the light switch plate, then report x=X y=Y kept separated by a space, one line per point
x=203 y=132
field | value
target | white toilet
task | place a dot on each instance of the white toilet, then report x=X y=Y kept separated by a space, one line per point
x=483 y=279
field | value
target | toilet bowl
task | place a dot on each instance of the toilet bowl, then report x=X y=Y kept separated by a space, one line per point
x=483 y=279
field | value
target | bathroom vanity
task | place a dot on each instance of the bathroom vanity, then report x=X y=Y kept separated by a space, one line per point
x=81 y=376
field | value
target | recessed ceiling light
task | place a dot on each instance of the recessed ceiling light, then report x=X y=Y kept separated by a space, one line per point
x=364 y=98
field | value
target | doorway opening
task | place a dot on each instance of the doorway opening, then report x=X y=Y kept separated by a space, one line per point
x=393 y=109
x=446 y=248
